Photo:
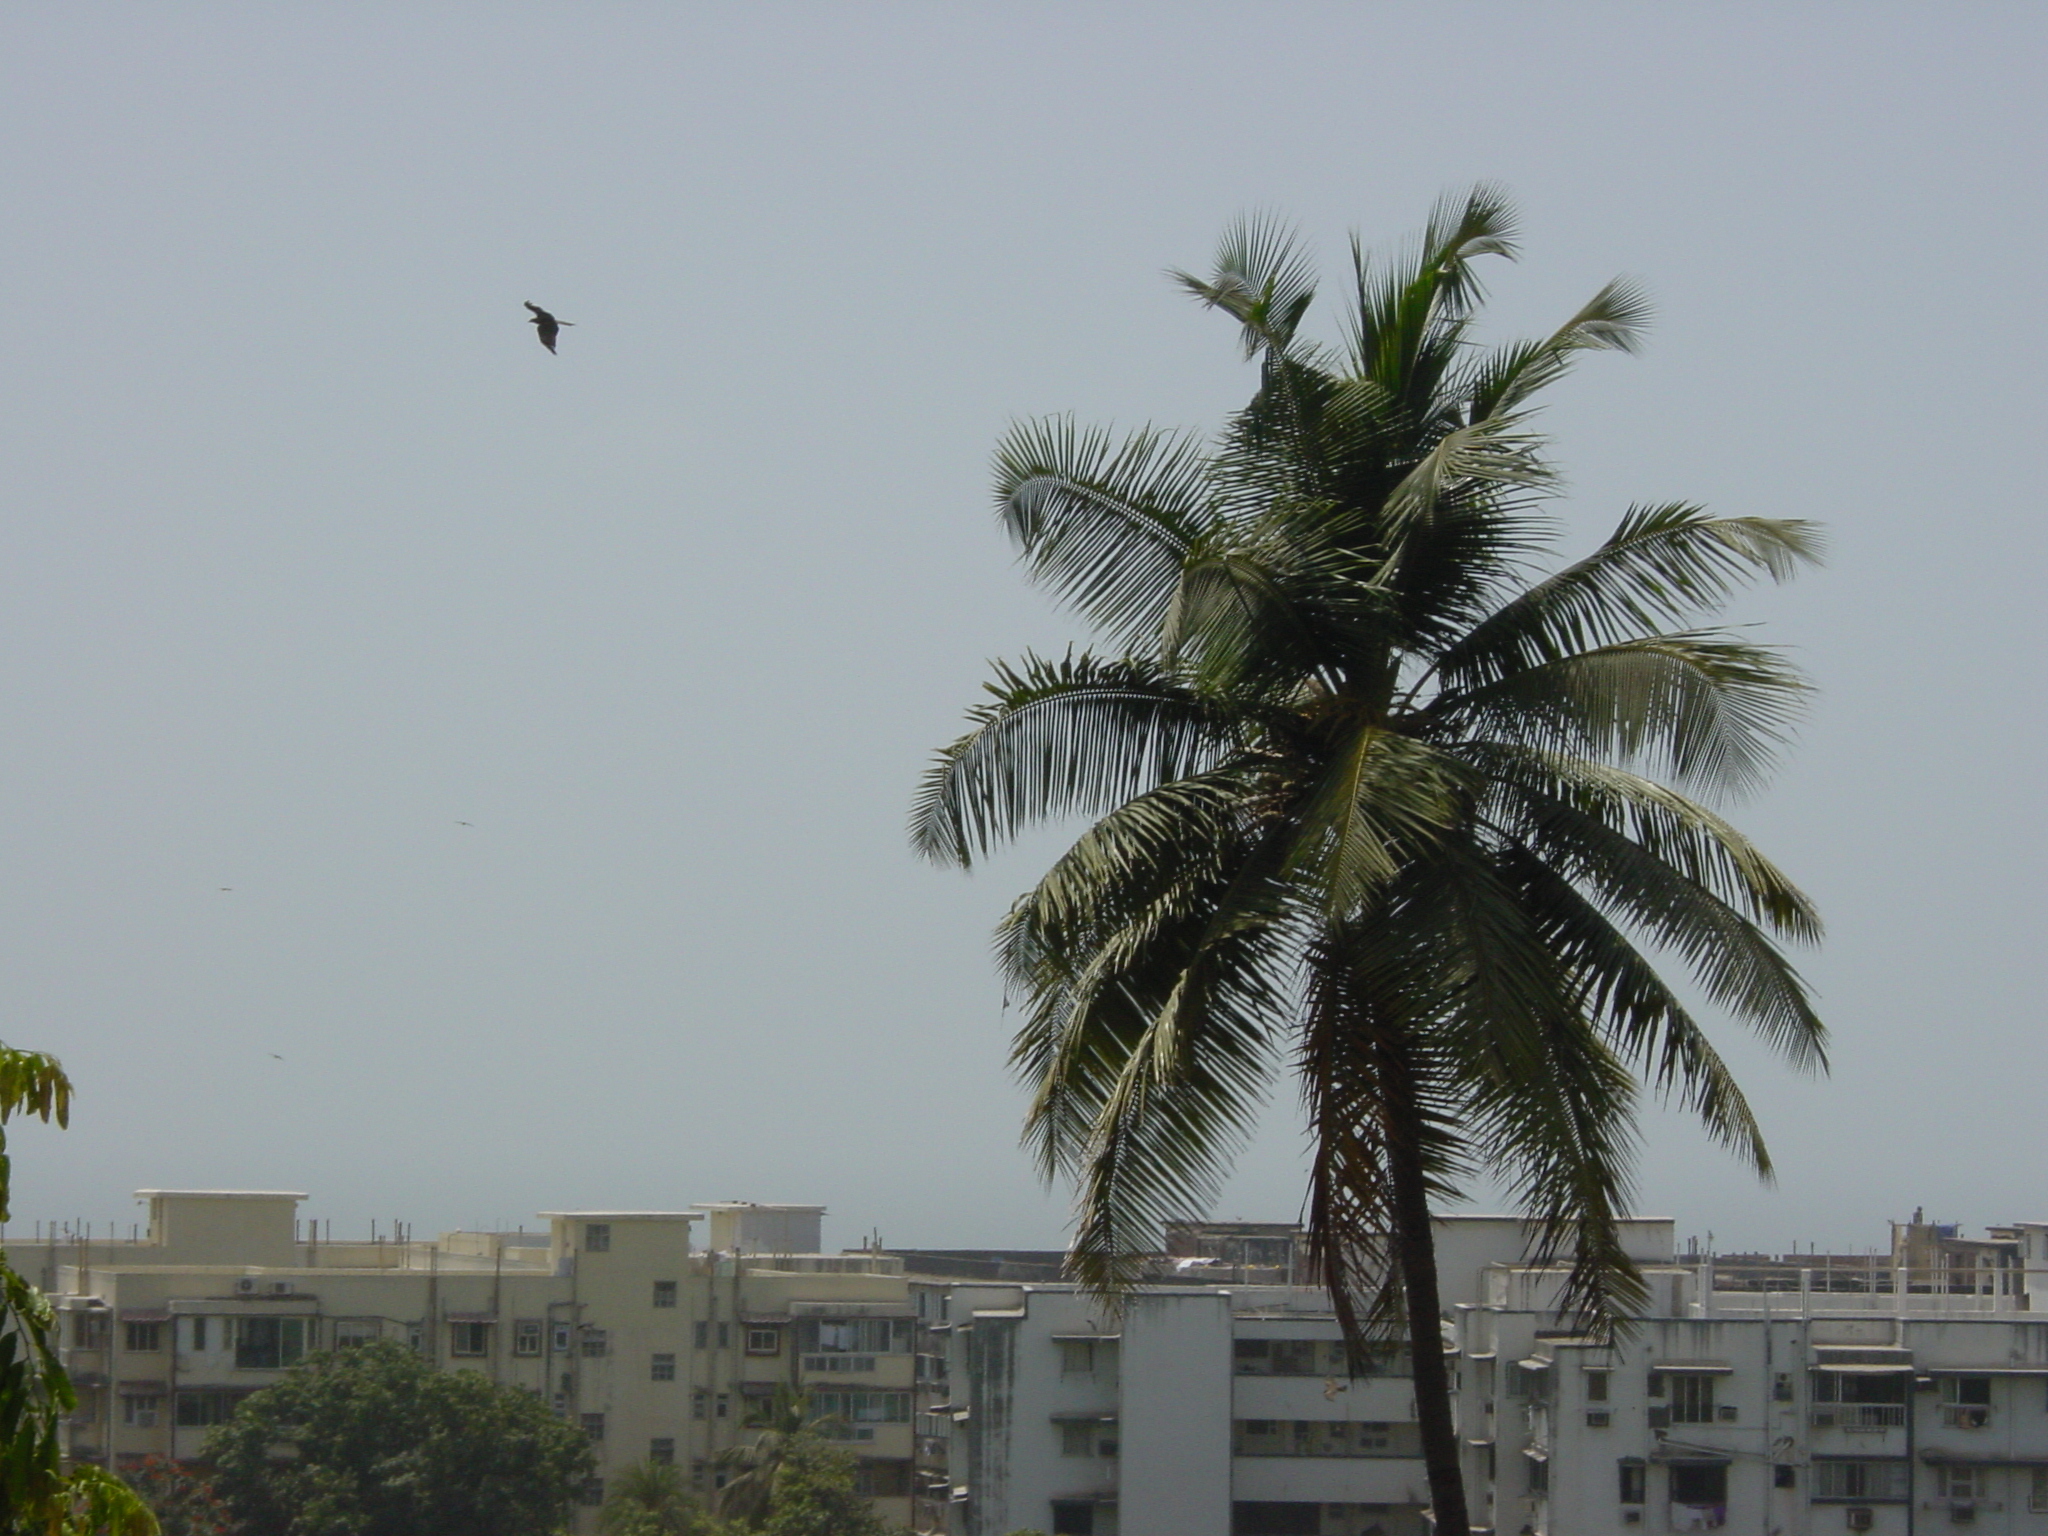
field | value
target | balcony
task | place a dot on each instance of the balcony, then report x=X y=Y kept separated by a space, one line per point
x=1860 y=1418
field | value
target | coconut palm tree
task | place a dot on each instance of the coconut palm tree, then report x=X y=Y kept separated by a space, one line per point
x=786 y=1425
x=1373 y=796
x=651 y=1498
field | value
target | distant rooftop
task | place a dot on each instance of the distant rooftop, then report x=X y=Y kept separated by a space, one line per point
x=624 y=1215
x=225 y=1194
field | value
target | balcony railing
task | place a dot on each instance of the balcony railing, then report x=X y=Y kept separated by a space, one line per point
x=1860 y=1417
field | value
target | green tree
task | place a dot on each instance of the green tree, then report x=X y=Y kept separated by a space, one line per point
x=651 y=1499
x=756 y=1467
x=817 y=1493
x=372 y=1441
x=39 y=1495
x=181 y=1497
x=1373 y=796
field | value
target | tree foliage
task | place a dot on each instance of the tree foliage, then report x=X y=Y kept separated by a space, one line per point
x=1379 y=792
x=817 y=1493
x=372 y=1441
x=182 y=1498
x=651 y=1499
x=39 y=1496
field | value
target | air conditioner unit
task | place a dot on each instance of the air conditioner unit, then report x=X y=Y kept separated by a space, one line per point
x=1599 y=1418
x=280 y=1287
x=1858 y=1519
x=1962 y=1512
x=245 y=1287
x=1823 y=1421
x=1631 y=1517
x=1726 y=1412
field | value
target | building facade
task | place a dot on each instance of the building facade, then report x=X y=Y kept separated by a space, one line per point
x=657 y=1350
x=1899 y=1392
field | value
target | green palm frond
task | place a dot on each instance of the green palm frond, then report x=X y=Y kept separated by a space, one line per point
x=1613 y=320
x=1382 y=800
x=1064 y=737
x=1706 y=708
x=1262 y=278
x=1528 y=785
x=1663 y=565
x=1103 y=524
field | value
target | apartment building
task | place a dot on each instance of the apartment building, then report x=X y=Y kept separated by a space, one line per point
x=1899 y=1392
x=1204 y=1409
x=657 y=1350
x=1897 y=1398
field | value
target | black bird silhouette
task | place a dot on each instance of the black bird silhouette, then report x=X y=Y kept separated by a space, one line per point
x=546 y=324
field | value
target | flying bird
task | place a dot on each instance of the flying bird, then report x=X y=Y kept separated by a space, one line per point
x=465 y=823
x=275 y=1057
x=546 y=325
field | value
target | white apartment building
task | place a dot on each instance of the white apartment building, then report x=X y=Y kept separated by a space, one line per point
x=1902 y=1400
x=1901 y=1395
x=657 y=1351
x=1204 y=1410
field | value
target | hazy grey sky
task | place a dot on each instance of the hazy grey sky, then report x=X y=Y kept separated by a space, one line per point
x=311 y=553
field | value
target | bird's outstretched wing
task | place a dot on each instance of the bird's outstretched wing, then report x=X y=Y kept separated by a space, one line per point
x=545 y=324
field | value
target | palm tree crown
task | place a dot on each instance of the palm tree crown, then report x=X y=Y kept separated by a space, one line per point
x=1372 y=794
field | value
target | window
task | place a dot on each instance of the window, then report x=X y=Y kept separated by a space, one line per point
x=723 y=1406
x=1088 y=1437
x=1073 y=1517
x=526 y=1336
x=764 y=1341
x=700 y=1402
x=664 y=1293
x=1325 y=1437
x=1596 y=1386
x=195 y=1330
x=593 y=1425
x=1692 y=1399
x=661 y=1451
x=1248 y=1519
x=725 y=1335
x=661 y=1368
x=350 y=1332
x=859 y=1411
x=89 y=1329
x=702 y=1335
x=1697 y=1483
x=1634 y=1481
x=205 y=1408
x=1784 y=1475
x=1966 y=1401
x=1077 y=1357
x=854 y=1336
x=269 y=1343
x=597 y=1237
x=416 y=1337
x=143 y=1338
x=1539 y=1473
x=140 y=1409
x=2037 y=1496
x=469 y=1340
x=596 y=1343
x=562 y=1333
x=1312 y=1357
x=1964 y=1483
x=882 y=1479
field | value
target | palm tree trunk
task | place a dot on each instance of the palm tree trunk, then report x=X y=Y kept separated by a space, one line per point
x=1414 y=1241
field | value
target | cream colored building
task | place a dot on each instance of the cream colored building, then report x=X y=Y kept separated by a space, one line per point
x=658 y=1349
